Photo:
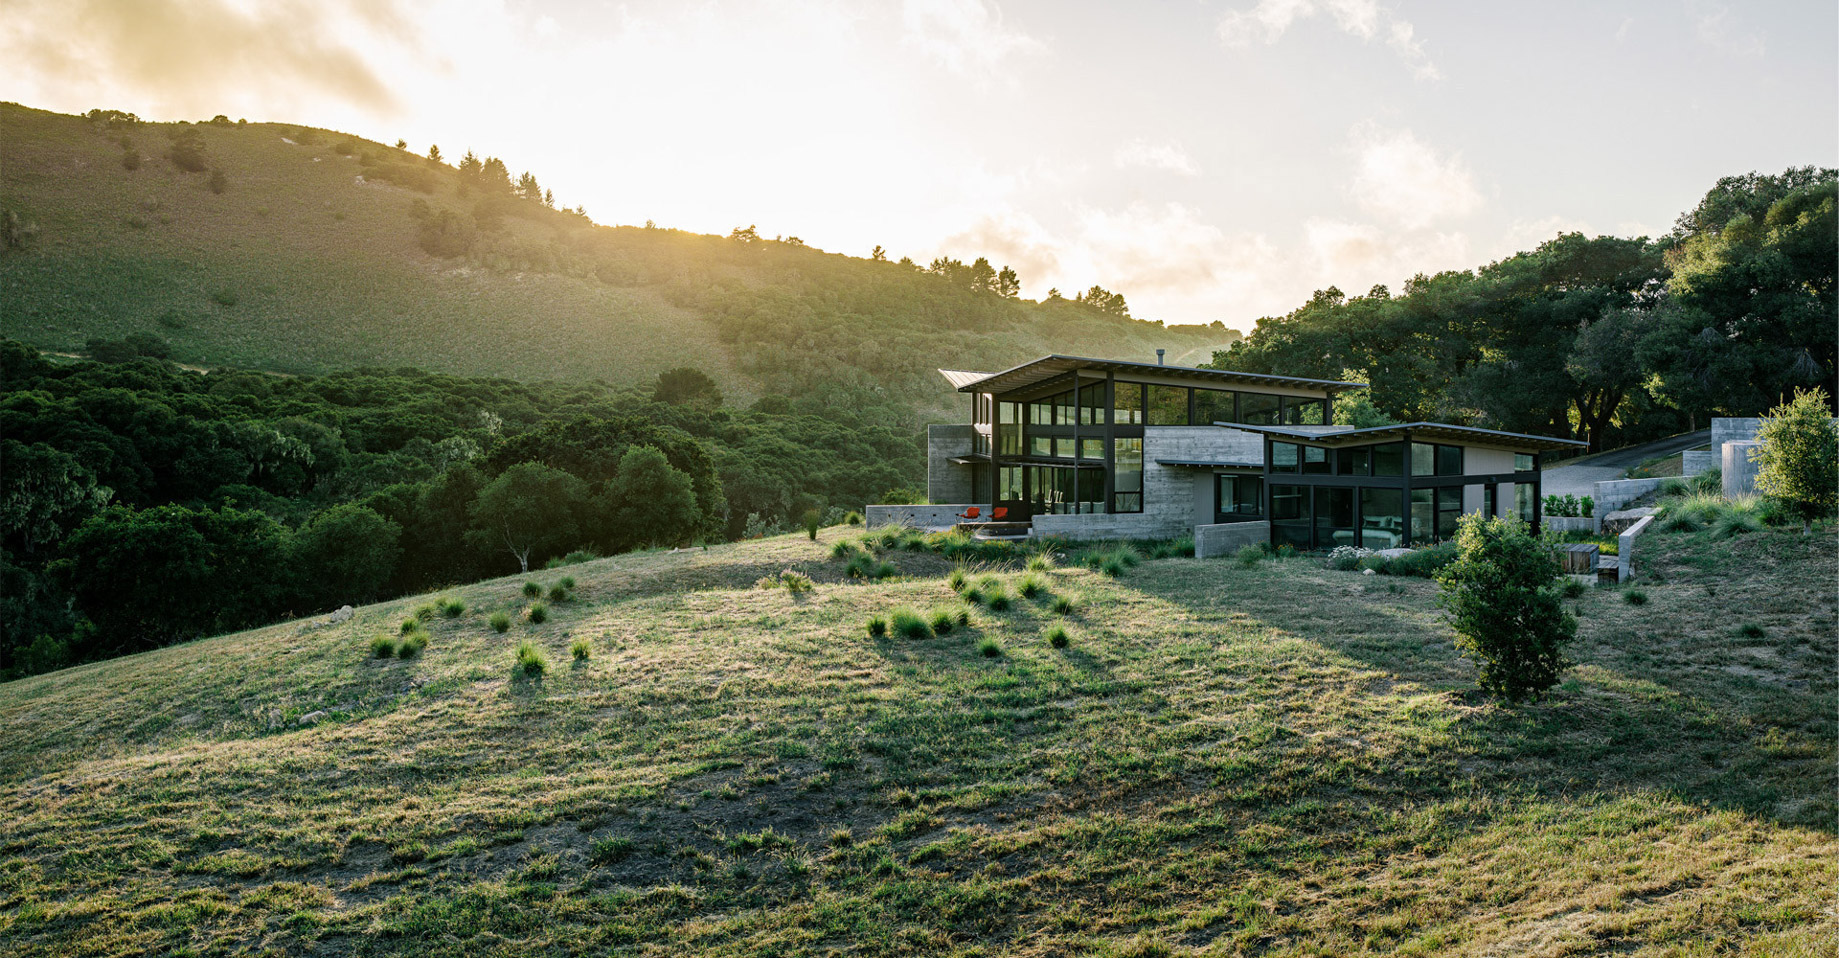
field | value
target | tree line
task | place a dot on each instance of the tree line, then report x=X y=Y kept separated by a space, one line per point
x=142 y=504
x=1608 y=339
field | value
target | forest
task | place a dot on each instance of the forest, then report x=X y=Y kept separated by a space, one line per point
x=1601 y=338
x=143 y=504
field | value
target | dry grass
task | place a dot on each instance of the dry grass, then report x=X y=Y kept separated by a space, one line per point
x=1277 y=760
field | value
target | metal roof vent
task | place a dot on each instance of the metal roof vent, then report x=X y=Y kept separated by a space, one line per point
x=1159 y=353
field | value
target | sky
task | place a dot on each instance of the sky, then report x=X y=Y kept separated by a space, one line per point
x=1209 y=160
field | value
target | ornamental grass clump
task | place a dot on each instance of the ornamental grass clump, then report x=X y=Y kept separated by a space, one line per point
x=1250 y=554
x=943 y=621
x=1501 y=593
x=557 y=593
x=500 y=622
x=530 y=660
x=1031 y=586
x=1065 y=604
x=383 y=647
x=957 y=580
x=907 y=624
x=427 y=611
x=997 y=599
x=409 y=625
x=412 y=644
x=843 y=549
x=877 y=626
x=581 y=649
x=1634 y=597
x=989 y=648
x=1057 y=636
x=538 y=614
x=1040 y=562
x=453 y=608
x=532 y=590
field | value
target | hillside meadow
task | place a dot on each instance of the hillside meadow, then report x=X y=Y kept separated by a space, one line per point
x=1277 y=760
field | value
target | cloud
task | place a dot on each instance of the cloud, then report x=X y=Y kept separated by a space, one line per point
x=1267 y=21
x=202 y=57
x=1142 y=154
x=1403 y=180
x=965 y=36
x=1714 y=26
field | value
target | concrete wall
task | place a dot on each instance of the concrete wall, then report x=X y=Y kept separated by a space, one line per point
x=1097 y=525
x=1739 y=471
x=1730 y=429
x=1692 y=462
x=919 y=516
x=946 y=482
x=1225 y=538
x=1613 y=494
x=1570 y=523
x=1625 y=545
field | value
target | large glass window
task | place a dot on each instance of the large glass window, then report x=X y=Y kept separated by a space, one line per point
x=1286 y=457
x=1487 y=500
x=1009 y=483
x=1256 y=409
x=1040 y=445
x=1423 y=516
x=1127 y=474
x=1305 y=412
x=1449 y=511
x=1382 y=518
x=1063 y=409
x=1168 y=405
x=1334 y=517
x=1355 y=462
x=1449 y=460
x=1091 y=449
x=1063 y=447
x=1522 y=462
x=1090 y=495
x=1240 y=496
x=1423 y=459
x=1092 y=405
x=1041 y=412
x=1213 y=405
x=1315 y=461
x=1127 y=403
x=1008 y=429
x=1389 y=459
x=1290 y=515
x=1524 y=502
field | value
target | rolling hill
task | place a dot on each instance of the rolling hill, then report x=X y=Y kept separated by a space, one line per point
x=1276 y=760
x=300 y=250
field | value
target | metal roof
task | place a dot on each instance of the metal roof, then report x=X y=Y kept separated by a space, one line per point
x=980 y=459
x=1047 y=367
x=959 y=378
x=1424 y=430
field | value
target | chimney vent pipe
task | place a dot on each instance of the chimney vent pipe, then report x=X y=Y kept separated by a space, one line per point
x=1159 y=353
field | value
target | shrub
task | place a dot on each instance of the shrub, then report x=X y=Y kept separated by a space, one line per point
x=861 y=566
x=841 y=838
x=530 y=659
x=581 y=649
x=852 y=518
x=884 y=569
x=1586 y=507
x=532 y=590
x=956 y=580
x=998 y=599
x=557 y=593
x=989 y=648
x=1250 y=554
x=812 y=520
x=942 y=621
x=453 y=608
x=1677 y=522
x=412 y=644
x=383 y=647
x=1734 y=522
x=906 y=623
x=1798 y=459
x=1347 y=558
x=1057 y=637
x=796 y=583
x=1031 y=586
x=219 y=182
x=500 y=622
x=877 y=626
x=539 y=613
x=1425 y=562
x=1501 y=596
x=1065 y=604
x=1751 y=630
x=1634 y=597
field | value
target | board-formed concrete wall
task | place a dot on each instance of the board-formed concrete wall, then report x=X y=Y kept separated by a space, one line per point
x=1693 y=462
x=945 y=481
x=1739 y=471
x=1225 y=538
x=1613 y=494
x=918 y=516
x=1625 y=548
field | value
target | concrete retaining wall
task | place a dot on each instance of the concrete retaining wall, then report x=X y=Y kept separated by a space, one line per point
x=1625 y=545
x=1693 y=462
x=1225 y=538
x=1739 y=471
x=1093 y=526
x=917 y=516
x=1613 y=494
x=1570 y=523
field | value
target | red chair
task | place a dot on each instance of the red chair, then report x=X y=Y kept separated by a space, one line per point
x=970 y=514
x=996 y=514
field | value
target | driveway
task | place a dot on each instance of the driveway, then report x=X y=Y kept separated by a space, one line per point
x=1578 y=477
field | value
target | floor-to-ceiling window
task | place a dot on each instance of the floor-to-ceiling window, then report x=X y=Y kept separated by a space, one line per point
x=1382 y=518
x=1127 y=474
x=1290 y=515
x=1334 y=516
x=1238 y=497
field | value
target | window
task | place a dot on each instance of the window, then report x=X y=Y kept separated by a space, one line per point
x=1382 y=518
x=1355 y=462
x=1009 y=483
x=1092 y=405
x=1063 y=409
x=980 y=443
x=1290 y=515
x=1127 y=404
x=1389 y=459
x=1256 y=409
x=1239 y=496
x=1168 y=406
x=1213 y=405
x=1334 y=517
x=1304 y=412
x=1522 y=462
x=1315 y=461
x=1091 y=449
x=1423 y=459
x=1041 y=412
x=1423 y=516
x=1449 y=511
x=1487 y=499
x=1040 y=445
x=1127 y=475
x=1008 y=428
x=1063 y=447
x=1286 y=457
x=1524 y=501
x=1449 y=460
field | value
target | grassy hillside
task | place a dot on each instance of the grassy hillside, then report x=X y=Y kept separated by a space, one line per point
x=312 y=259
x=1276 y=760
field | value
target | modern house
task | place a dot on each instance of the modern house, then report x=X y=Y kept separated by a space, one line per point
x=1099 y=448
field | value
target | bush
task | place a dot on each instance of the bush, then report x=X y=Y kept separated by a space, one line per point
x=557 y=593
x=530 y=659
x=412 y=644
x=877 y=626
x=1111 y=566
x=1751 y=630
x=539 y=613
x=1798 y=459
x=581 y=649
x=1250 y=554
x=1734 y=522
x=1347 y=558
x=943 y=620
x=1586 y=507
x=532 y=590
x=852 y=518
x=453 y=608
x=812 y=520
x=842 y=549
x=567 y=582
x=1500 y=592
x=130 y=159
x=219 y=182
x=1057 y=637
x=1634 y=597
x=796 y=583
x=1425 y=562
x=500 y=622
x=577 y=556
x=906 y=623
x=989 y=648
x=1031 y=586
x=383 y=647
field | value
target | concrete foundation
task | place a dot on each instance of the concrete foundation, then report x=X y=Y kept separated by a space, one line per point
x=931 y=518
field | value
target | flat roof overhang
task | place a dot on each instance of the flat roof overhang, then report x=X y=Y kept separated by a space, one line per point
x=1041 y=370
x=1418 y=430
x=981 y=460
x=1206 y=464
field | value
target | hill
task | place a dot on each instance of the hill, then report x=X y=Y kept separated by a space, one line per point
x=275 y=247
x=1276 y=760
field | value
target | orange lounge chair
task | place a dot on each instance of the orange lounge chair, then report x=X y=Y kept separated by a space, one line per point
x=970 y=514
x=996 y=514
